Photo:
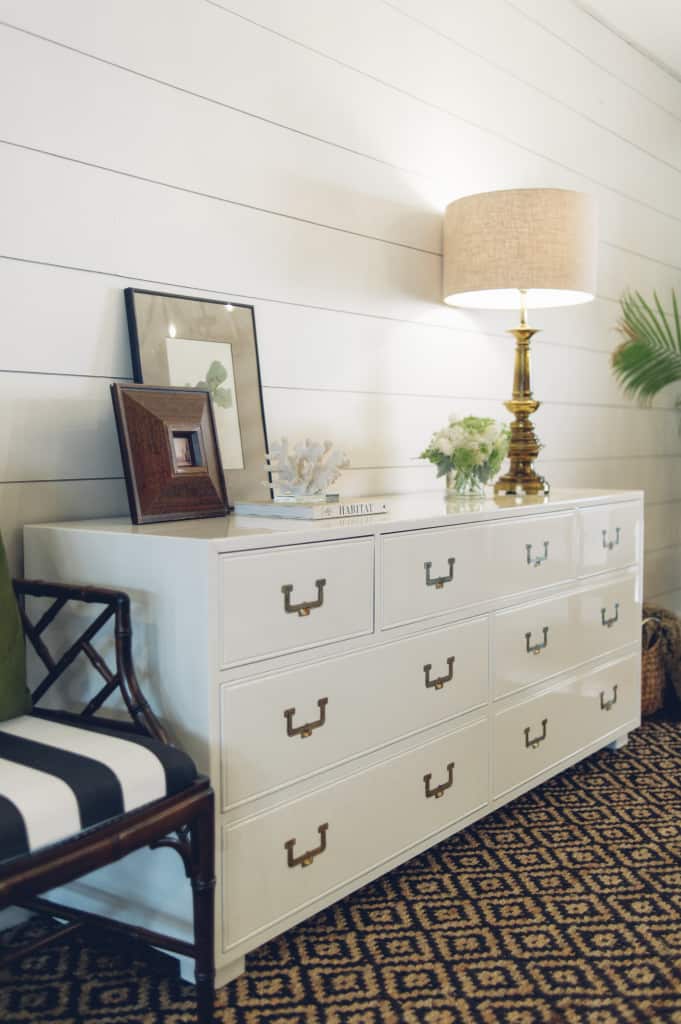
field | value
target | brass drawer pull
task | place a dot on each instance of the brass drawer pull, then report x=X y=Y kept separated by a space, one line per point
x=538 y=559
x=607 y=704
x=610 y=622
x=305 y=607
x=610 y=544
x=439 y=581
x=537 y=648
x=536 y=740
x=444 y=786
x=306 y=730
x=305 y=859
x=438 y=683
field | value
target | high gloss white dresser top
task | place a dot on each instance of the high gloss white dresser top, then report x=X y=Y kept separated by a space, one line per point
x=360 y=689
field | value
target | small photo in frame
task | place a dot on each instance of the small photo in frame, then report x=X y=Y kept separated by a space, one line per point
x=170 y=454
x=210 y=345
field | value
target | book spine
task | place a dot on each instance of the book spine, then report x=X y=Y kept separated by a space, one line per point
x=343 y=510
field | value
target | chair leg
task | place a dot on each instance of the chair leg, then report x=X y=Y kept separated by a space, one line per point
x=202 y=832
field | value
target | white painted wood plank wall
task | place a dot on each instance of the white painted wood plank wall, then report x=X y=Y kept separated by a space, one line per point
x=273 y=153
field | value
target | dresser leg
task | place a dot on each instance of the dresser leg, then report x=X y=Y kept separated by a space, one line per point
x=620 y=742
x=228 y=972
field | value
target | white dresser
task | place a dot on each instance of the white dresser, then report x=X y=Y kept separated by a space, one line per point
x=360 y=689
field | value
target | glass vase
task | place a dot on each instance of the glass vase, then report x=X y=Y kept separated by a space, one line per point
x=464 y=485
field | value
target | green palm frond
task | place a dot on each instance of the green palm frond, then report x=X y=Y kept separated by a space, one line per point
x=649 y=357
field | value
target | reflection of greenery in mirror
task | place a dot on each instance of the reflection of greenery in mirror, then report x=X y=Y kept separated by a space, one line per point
x=649 y=357
x=216 y=376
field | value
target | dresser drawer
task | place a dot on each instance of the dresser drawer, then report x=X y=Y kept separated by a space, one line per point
x=284 y=859
x=287 y=599
x=283 y=727
x=611 y=697
x=534 y=734
x=610 y=615
x=429 y=572
x=536 y=551
x=611 y=536
x=536 y=641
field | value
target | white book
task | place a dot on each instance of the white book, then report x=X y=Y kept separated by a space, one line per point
x=311 y=509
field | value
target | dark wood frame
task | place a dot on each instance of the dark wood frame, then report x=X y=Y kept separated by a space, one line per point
x=151 y=471
x=136 y=344
x=184 y=822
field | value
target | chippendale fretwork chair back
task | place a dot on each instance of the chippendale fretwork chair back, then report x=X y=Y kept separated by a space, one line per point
x=116 y=607
x=182 y=818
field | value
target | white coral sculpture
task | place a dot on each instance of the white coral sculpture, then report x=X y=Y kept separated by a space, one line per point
x=310 y=468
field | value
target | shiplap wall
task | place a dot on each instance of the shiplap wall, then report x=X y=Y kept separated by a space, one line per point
x=299 y=155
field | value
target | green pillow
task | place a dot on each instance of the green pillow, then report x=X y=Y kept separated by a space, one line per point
x=14 y=696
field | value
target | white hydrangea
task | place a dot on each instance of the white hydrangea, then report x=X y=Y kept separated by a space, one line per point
x=492 y=434
x=444 y=444
x=458 y=436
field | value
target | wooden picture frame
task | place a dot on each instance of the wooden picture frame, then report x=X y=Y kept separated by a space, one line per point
x=170 y=453
x=209 y=344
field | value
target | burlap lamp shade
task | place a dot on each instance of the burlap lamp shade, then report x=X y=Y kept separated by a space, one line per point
x=542 y=240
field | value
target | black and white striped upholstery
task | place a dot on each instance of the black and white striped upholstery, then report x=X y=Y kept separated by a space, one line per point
x=57 y=779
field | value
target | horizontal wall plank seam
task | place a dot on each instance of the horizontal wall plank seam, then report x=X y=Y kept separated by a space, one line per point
x=448 y=113
x=323 y=225
x=666 y=547
x=663 y=501
x=641 y=255
x=216 y=102
x=416 y=463
x=612 y=458
x=530 y=85
x=60 y=480
x=284 y=302
x=428 y=395
x=323 y=141
x=370 y=393
x=595 y=63
x=63 y=373
x=641 y=50
x=214 y=197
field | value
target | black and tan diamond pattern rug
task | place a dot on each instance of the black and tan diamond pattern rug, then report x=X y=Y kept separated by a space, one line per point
x=563 y=907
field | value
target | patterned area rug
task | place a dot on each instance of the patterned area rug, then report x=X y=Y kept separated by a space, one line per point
x=563 y=907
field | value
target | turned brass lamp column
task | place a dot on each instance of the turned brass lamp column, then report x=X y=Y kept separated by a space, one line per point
x=541 y=243
x=524 y=447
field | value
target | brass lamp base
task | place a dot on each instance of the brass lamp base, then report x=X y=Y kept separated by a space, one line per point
x=524 y=446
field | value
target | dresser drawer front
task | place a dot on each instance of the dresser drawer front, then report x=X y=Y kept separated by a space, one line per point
x=288 y=599
x=429 y=572
x=535 y=642
x=283 y=727
x=611 y=537
x=338 y=833
x=534 y=734
x=610 y=615
x=536 y=551
x=611 y=697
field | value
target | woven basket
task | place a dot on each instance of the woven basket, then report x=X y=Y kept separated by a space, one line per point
x=652 y=668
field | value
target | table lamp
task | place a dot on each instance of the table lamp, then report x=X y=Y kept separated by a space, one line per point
x=520 y=248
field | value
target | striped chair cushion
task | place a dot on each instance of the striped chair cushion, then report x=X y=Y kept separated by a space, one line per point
x=57 y=779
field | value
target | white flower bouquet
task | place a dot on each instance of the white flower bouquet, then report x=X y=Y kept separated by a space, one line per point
x=469 y=452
